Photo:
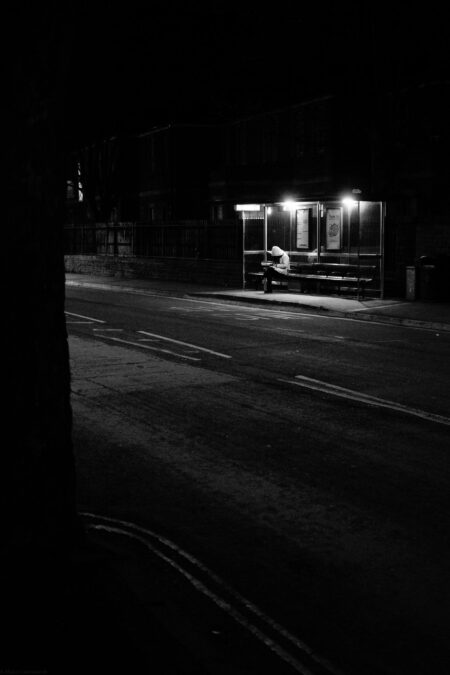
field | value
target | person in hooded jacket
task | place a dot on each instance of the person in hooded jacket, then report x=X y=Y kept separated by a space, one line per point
x=277 y=270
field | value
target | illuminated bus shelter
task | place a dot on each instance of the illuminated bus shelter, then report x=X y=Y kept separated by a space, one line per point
x=346 y=232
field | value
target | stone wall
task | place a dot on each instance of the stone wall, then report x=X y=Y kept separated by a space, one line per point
x=227 y=273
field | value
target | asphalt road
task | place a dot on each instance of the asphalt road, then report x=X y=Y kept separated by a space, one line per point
x=303 y=458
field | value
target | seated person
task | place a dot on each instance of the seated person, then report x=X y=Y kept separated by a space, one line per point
x=277 y=270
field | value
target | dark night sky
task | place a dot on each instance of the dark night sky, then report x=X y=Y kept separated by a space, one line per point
x=134 y=65
x=190 y=62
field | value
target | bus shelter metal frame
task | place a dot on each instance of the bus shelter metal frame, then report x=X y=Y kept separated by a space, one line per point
x=319 y=206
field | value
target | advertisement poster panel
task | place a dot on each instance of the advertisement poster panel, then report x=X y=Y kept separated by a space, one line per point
x=302 y=216
x=333 y=229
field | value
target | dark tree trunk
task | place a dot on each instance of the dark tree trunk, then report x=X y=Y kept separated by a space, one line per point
x=40 y=530
x=41 y=482
x=41 y=470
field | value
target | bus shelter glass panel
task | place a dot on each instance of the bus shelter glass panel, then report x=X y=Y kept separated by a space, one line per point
x=294 y=230
x=370 y=228
x=278 y=228
x=336 y=232
x=349 y=231
x=253 y=242
x=352 y=234
x=304 y=223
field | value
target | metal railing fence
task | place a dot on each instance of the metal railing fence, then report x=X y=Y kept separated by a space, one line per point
x=220 y=240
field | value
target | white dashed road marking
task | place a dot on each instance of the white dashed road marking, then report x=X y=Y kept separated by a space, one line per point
x=153 y=349
x=185 y=344
x=89 y=318
x=342 y=392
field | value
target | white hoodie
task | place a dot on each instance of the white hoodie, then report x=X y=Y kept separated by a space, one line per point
x=283 y=265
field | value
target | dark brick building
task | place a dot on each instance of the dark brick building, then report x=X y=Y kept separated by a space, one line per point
x=393 y=146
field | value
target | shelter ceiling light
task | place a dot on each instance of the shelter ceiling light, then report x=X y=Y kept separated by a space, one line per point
x=290 y=205
x=247 y=207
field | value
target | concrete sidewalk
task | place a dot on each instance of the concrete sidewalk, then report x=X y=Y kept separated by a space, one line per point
x=429 y=315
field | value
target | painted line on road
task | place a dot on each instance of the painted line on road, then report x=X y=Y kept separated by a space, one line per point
x=148 y=538
x=185 y=344
x=80 y=316
x=108 y=330
x=153 y=349
x=364 y=309
x=305 y=315
x=231 y=310
x=255 y=310
x=377 y=342
x=342 y=392
x=185 y=298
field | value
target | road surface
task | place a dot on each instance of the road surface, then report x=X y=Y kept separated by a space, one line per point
x=303 y=458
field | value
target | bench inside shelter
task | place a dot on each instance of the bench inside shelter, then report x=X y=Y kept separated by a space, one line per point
x=340 y=277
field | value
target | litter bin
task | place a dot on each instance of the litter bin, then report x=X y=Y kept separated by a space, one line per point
x=428 y=286
x=411 y=283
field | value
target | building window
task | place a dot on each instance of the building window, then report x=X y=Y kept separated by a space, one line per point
x=79 y=184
